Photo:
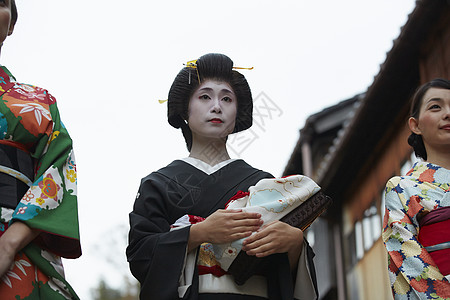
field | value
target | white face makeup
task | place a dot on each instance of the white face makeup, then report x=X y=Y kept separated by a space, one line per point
x=212 y=110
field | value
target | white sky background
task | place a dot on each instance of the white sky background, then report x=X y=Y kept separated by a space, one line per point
x=108 y=62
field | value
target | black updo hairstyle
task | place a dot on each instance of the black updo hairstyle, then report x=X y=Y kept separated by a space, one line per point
x=211 y=66
x=13 y=12
x=415 y=140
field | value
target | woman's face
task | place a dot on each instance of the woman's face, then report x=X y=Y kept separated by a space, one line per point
x=433 y=123
x=212 y=110
x=6 y=27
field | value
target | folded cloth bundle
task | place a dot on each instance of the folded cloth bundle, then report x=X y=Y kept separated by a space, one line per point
x=295 y=199
x=244 y=266
x=273 y=198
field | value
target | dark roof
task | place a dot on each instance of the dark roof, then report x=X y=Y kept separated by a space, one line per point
x=384 y=107
x=333 y=117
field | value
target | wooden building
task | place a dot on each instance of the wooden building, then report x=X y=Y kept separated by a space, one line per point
x=353 y=148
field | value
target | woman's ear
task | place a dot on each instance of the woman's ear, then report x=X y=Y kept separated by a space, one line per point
x=414 y=125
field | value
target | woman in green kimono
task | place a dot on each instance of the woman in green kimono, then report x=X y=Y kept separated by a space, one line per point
x=38 y=201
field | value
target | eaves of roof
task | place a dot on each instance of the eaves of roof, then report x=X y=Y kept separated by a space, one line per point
x=385 y=105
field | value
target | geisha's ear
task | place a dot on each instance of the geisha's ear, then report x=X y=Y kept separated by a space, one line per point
x=414 y=125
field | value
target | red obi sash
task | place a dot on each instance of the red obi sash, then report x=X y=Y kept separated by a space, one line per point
x=434 y=235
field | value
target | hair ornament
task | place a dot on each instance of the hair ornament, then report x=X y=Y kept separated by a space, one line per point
x=193 y=64
x=242 y=68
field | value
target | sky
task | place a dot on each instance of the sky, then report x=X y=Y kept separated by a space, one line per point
x=108 y=62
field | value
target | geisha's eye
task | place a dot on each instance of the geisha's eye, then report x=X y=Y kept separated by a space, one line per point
x=227 y=99
x=204 y=97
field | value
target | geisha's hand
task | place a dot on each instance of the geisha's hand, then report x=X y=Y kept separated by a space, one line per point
x=224 y=226
x=275 y=237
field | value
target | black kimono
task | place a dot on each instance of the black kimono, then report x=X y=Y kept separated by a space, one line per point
x=157 y=255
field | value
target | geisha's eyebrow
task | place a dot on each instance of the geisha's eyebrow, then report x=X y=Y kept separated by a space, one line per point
x=207 y=89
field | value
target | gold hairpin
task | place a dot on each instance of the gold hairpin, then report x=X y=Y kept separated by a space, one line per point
x=242 y=68
x=193 y=64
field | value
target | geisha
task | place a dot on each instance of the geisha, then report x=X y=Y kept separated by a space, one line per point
x=210 y=100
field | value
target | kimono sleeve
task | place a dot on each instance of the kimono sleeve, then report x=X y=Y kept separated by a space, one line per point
x=156 y=255
x=306 y=281
x=412 y=271
x=50 y=204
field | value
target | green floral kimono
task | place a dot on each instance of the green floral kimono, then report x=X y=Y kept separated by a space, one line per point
x=30 y=124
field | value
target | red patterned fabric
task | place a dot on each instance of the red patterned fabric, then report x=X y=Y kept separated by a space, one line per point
x=238 y=195
x=195 y=219
x=215 y=270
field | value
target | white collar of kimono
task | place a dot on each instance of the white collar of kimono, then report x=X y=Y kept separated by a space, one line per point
x=204 y=167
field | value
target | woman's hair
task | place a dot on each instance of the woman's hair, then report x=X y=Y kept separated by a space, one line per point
x=13 y=12
x=415 y=140
x=211 y=66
